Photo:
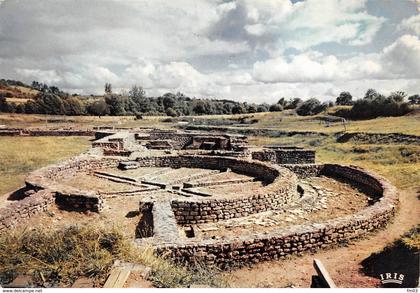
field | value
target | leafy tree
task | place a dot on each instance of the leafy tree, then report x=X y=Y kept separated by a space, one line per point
x=201 y=107
x=73 y=106
x=108 y=88
x=116 y=104
x=50 y=104
x=371 y=94
x=4 y=106
x=227 y=108
x=398 y=96
x=20 y=108
x=99 y=108
x=282 y=102
x=311 y=107
x=238 y=109
x=31 y=107
x=414 y=99
x=276 y=108
x=171 y=112
x=252 y=109
x=262 y=108
x=168 y=100
x=293 y=103
x=345 y=98
x=137 y=97
x=376 y=105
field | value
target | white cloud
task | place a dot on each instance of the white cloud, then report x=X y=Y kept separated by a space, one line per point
x=241 y=49
x=281 y=24
x=401 y=59
x=412 y=24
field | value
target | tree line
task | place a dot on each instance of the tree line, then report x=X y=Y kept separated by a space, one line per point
x=51 y=100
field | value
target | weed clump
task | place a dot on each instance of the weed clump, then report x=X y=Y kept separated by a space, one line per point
x=59 y=257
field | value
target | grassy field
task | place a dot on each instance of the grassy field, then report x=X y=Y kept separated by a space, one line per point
x=399 y=163
x=285 y=120
x=60 y=121
x=21 y=155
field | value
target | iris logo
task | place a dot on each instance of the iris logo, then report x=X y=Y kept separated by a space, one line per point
x=394 y=278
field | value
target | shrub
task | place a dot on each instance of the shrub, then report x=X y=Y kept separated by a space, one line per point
x=262 y=108
x=276 y=108
x=139 y=116
x=344 y=99
x=171 y=112
x=414 y=99
x=99 y=108
x=311 y=107
x=238 y=109
x=293 y=103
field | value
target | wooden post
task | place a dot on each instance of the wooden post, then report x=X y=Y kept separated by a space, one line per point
x=323 y=276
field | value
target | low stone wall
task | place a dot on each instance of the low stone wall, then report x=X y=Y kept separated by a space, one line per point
x=379 y=138
x=18 y=211
x=242 y=250
x=213 y=210
x=79 y=202
x=45 y=132
x=279 y=191
x=68 y=197
x=304 y=171
x=254 y=131
x=43 y=178
x=295 y=156
x=257 y=169
x=285 y=156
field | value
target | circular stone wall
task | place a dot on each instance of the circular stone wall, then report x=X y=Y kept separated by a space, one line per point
x=279 y=190
x=237 y=251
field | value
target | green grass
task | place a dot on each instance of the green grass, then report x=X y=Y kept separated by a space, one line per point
x=288 y=122
x=21 y=155
x=399 y=163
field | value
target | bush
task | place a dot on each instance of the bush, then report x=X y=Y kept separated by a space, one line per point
x=99 y=108
x=376 y=105
x=262 y=108
x=293 y=103
x=311 y=107
x=276 y=108
x=344 y=99
x=414 y=99
x=171 y=112
x=73 y=106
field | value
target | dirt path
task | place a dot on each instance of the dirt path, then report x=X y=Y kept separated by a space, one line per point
x=343 y=263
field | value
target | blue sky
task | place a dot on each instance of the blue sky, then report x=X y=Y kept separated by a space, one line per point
x=248 y=50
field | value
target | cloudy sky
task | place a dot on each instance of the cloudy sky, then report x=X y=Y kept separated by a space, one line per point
x=249 y=50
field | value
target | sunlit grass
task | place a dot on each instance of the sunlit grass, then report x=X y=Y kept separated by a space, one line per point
x=21 y=155
x=59 y=257
x=399 y=163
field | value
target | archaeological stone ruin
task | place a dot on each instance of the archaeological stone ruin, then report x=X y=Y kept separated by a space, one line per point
x=205 y=197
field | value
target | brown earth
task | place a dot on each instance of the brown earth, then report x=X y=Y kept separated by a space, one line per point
x=343 y=263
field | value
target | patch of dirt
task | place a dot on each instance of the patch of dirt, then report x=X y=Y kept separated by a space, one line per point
x=136 y=280
x=335 y=199
x=87 y=181
x=343 y=263
x=119 y=212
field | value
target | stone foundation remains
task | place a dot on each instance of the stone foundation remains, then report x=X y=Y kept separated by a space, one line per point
x=169 y=205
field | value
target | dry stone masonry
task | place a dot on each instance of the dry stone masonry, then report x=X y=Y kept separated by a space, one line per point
x=186 y=179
